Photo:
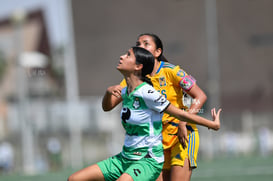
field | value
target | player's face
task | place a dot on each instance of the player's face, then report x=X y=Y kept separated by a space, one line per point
x=127 y=61
x=148 y=43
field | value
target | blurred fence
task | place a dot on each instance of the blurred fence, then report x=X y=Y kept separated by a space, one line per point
x=101 y=134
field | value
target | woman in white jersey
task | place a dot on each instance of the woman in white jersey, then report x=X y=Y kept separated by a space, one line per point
x=142 y=155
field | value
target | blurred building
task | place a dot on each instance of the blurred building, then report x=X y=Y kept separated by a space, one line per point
x=25 y=75
x=25 y=35
x=25 y=64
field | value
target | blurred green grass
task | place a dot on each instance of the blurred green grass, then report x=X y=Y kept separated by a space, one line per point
x=223 y=169
x=52 y=176
x=235 y=169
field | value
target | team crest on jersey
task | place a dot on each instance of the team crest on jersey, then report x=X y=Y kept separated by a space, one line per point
x=181 y=73
x=136 y=103
x=162 y=81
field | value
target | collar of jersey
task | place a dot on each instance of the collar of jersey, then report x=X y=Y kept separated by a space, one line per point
x=131 y=93
x=160 y=66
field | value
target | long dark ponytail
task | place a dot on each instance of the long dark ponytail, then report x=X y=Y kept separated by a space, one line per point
x=158 y=44
x=145 y=58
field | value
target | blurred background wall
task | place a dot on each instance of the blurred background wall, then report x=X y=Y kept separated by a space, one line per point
x=53 y=75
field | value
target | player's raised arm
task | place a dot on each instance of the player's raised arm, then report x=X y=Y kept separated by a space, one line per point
x=192 y=118
x=111 y=98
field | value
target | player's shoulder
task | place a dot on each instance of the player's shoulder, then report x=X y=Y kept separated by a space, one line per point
x=172 y=69
x=146 y=91
x=146 y=88
x=167 y=65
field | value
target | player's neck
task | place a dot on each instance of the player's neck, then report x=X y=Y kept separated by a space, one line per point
x=156 y=65
x=132 y=82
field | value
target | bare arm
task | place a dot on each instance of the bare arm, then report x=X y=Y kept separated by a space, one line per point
x=199 y=99
x=192 y=118
x=112 y=97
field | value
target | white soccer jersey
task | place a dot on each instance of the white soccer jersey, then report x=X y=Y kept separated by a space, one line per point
x=141 y=116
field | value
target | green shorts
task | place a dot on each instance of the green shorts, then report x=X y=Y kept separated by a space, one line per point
x=143 y=169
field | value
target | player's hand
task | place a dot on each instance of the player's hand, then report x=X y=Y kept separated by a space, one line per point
x=216 y=118
x=115 y=90
x=182 y=134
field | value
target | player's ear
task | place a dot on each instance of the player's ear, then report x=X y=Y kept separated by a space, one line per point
x=158 y=52
x=139 y=67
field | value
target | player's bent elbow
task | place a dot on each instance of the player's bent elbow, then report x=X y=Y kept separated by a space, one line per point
x=106 y=108
x=216 y=127
x=202 y=97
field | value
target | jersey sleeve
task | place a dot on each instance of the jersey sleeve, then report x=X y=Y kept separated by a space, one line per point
x=184 y=80
x=154 y=100
x=187 y=82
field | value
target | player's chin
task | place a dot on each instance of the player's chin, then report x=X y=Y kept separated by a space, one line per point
x=119 y=67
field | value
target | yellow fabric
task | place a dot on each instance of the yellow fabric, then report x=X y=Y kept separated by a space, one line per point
x=176 y=155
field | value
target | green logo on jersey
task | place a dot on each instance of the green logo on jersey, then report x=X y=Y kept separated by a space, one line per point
x=136 y=103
